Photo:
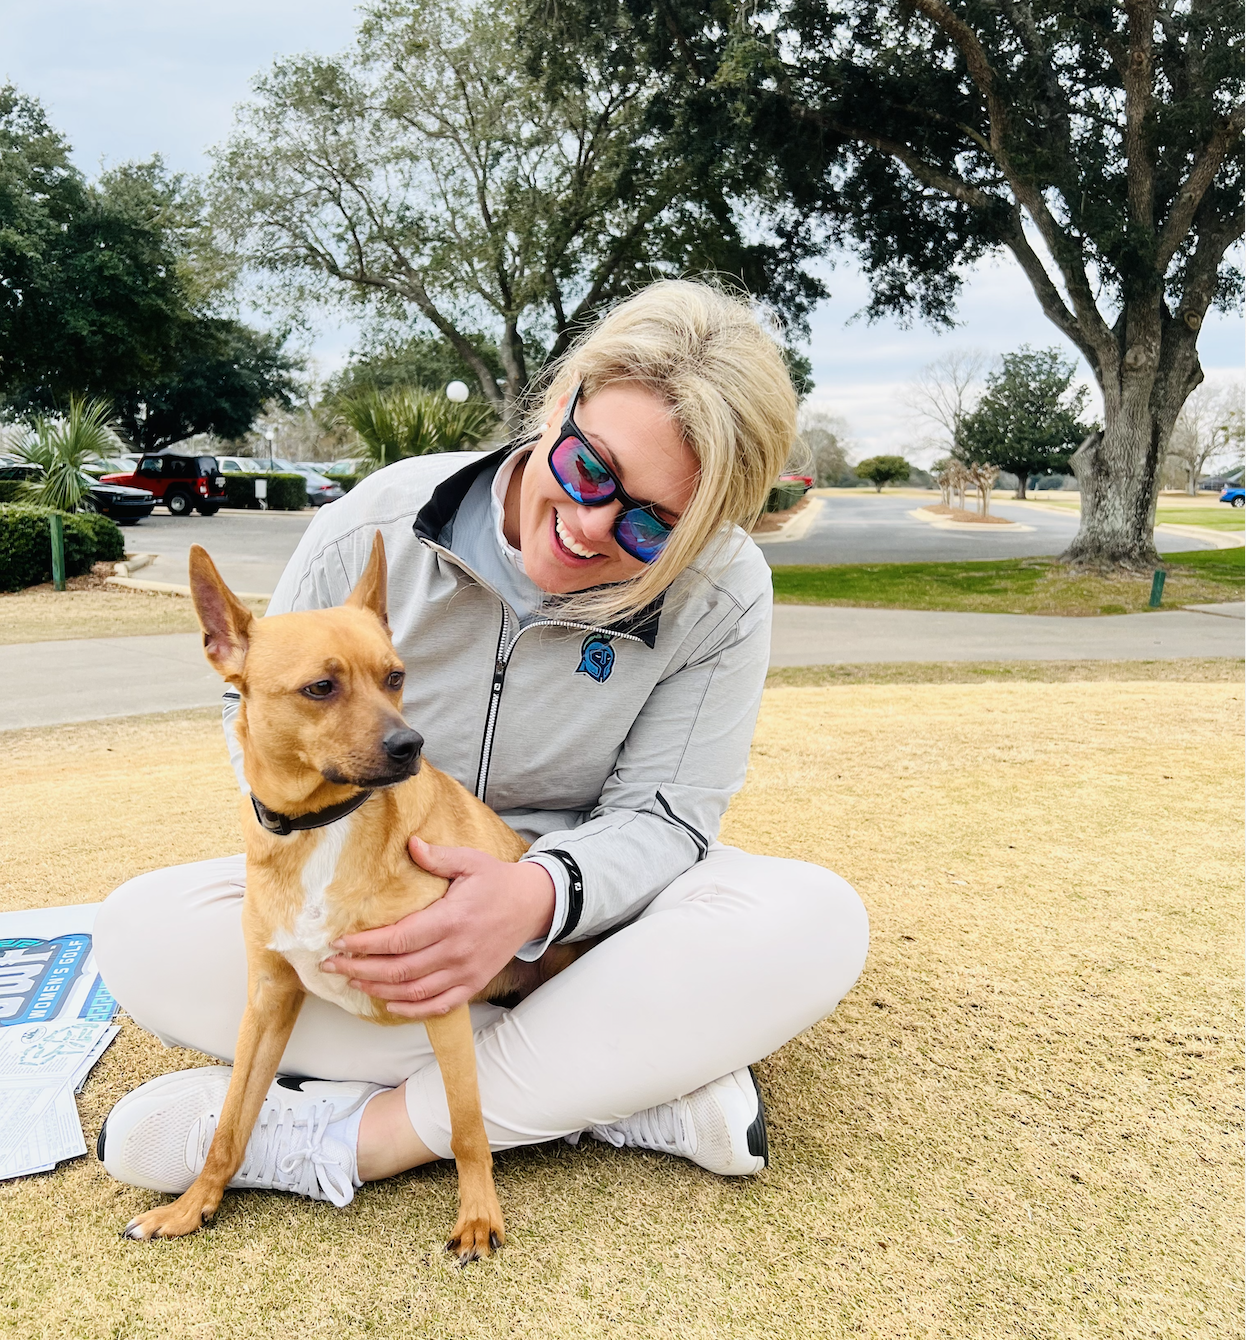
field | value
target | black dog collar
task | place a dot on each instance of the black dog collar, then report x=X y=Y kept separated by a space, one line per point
x=283 y=825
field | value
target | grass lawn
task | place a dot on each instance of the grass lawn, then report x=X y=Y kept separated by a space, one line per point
x=1223 y=517
x=1023 y=1122
x=90 y=609
x=1206 y=511
x=1203 y=670
x=1010 y=585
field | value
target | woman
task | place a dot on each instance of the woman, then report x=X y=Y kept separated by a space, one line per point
x=586 y=634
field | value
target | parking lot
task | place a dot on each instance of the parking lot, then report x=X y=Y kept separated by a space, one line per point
x=250 y=548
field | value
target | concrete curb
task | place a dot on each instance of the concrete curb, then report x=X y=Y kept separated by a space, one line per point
x=794 y=528
x=171 y=588
x=1218 y=539
x=133 y=563
x=978 y=527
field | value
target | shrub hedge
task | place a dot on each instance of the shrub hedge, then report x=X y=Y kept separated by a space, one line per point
x=286 y=492
x=105 y=535
x=26 y=544
x=783 y=496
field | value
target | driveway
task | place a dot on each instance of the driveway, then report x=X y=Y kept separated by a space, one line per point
x=877 y=528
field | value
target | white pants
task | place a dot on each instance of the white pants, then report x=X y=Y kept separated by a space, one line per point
x=728 y=963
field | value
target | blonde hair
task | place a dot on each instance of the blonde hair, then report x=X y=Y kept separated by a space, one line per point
x=724 y=379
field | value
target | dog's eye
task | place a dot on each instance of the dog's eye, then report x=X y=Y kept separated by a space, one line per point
x=394 y=679
x=320 y=689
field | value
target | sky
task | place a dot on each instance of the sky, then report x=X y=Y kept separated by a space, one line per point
x=124 y=79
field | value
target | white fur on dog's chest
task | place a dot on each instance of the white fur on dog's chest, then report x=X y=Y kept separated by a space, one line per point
x=305 y=945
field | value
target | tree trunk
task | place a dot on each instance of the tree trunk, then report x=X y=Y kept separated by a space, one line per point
x=1116 y=473
x=511 y=351
x=1118 y=470
x=1023 y=478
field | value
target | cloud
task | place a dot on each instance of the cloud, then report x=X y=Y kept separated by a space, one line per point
x=136 y=77
x=861 y=371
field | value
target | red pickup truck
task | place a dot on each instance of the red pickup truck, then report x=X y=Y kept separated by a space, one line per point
x=183 y=483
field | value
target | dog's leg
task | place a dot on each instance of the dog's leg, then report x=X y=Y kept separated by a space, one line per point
x=480 y=1227
x=275 y=996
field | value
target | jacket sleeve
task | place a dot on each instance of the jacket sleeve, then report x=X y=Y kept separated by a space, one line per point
x=683 y=760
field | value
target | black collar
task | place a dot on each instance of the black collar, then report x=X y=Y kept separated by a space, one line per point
x=283 y=825
x=439 y=511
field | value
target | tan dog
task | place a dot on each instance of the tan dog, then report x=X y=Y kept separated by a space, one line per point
x=320 y=727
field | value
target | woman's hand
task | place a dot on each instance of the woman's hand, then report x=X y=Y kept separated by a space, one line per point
x=440 y=957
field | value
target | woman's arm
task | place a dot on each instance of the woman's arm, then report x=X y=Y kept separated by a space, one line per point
x=683 y=760
x=440 y=957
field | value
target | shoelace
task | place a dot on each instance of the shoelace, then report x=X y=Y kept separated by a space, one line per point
x=289 y=1151
x=664 y=1128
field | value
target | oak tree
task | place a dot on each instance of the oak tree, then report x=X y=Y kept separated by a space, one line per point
x=1028 y=419
x=433 y=173
x=1097 y=143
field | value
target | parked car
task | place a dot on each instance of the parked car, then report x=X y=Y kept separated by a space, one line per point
x=320 y=488
x=241 y=465
x=352 y=465
x=125 y=505
x=125 y=462
x=183 y=483
x=1234 y=496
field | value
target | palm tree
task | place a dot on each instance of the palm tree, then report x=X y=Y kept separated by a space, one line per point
x=405 y=421
x=64 y=448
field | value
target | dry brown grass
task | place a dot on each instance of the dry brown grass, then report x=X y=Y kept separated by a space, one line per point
x=89 y=609
x=1024 y=1121
x=1201 y=670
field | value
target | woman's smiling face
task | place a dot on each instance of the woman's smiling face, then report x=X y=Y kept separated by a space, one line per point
x=568 y=547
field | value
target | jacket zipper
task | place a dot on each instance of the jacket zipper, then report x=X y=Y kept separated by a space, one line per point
x=495 y=697
x=507 y=645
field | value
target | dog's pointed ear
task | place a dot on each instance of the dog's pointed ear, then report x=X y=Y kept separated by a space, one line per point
x=225 y=620
x=369 y=592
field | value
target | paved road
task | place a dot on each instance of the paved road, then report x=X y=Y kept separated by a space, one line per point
x=251 y=549
x=50 y=682
x=877 y=528
x=813 y=635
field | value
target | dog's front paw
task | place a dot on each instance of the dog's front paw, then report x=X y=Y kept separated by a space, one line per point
x=479 y=1232
x=185 y=1215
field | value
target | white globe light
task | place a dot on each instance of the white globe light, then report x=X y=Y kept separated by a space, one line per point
x=457 y=391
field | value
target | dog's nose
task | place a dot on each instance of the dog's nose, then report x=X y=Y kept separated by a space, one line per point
x=403 y=744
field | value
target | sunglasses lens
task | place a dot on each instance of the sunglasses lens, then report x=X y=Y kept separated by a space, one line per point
x=642 y=534
x=584 y=478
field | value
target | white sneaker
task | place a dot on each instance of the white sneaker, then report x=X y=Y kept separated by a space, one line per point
x=721 y=1126
x=158 y=1135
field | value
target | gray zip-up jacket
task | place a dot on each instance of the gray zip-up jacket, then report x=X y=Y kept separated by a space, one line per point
x=613 y=750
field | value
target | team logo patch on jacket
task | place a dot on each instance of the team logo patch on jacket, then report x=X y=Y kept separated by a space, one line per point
x=596 y=658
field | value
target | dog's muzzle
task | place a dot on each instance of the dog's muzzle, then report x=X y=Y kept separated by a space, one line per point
x=402 y=747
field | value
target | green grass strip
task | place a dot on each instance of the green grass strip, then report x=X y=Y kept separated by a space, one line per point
x=1011 y=585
